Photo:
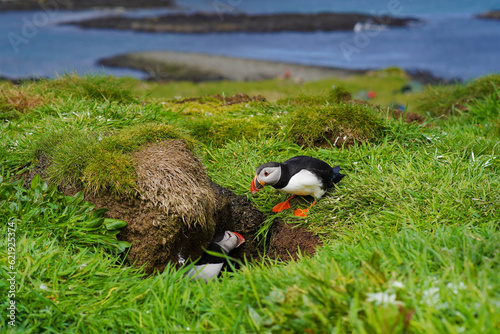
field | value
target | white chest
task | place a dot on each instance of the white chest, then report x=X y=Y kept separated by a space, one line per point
x=304 y=183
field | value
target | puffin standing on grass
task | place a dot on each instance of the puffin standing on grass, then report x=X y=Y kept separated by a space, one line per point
x=300 y=175
x=209 y=266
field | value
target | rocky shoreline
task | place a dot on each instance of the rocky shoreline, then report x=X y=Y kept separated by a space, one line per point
x=216 y=22
x=22 y=5
x=492 y=15
x=183 y=66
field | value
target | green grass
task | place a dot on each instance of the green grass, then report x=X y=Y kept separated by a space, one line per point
x=386 y=83
x=446 y=100
x=411 y=233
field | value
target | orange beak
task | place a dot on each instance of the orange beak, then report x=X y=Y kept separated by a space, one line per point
x=255 y=186
x=240 y=239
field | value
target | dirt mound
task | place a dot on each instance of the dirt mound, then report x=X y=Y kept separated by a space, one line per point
x=288 y=240
x=171 y=179
x=172 y=218
x=226 y=100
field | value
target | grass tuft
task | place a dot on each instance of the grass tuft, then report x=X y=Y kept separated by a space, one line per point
x=336 y=125
x=445 y=100
x=109 y=171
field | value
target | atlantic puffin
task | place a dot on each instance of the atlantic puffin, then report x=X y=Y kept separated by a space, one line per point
x=209 y=266
x=300 y=175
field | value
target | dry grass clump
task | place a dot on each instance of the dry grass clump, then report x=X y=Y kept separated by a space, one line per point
x=90 y=87
x=170 y=178
x=18 y=100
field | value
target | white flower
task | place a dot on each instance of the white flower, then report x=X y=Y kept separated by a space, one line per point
x=455 y=287
x=431 y=296
x=43 y=287
x=397 y=285
x=383 y=298
x=82 y=266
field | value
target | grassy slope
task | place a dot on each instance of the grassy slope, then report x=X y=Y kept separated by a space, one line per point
x=386 y=84
x=412 y=232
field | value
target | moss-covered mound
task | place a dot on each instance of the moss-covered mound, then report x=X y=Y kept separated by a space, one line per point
x=338 y=125
x=171 y=218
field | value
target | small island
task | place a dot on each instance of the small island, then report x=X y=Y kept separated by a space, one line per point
x=492 y=14
x=81 y=5
x=257 y=23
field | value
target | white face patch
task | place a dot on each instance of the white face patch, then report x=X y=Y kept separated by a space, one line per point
x=269 y=175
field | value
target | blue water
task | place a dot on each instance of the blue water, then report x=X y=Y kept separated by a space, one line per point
x=450 y=42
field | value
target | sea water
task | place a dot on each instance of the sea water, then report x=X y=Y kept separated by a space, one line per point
x=450 y=41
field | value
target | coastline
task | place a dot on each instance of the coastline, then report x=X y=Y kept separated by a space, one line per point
x=26 y=5
x=196 y=67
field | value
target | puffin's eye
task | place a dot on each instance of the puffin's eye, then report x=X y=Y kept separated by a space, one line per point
x=266 y=174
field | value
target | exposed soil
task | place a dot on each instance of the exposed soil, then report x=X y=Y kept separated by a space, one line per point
x=228 y=100
x=227 y=22
x=287 y=240
x=40 y=168
x=409 y=118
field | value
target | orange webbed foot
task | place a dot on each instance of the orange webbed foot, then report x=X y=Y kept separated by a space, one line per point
x=302 y=212
x=282 y=206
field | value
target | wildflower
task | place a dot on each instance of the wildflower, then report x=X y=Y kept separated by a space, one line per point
x=431 y=296
x=383 y=298
x=397 y=285
x=455 y=287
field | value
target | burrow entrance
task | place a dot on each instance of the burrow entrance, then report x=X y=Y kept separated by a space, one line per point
x=178 y=210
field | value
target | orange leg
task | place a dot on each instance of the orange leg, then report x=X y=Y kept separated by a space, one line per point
x=283 y=206
x=303 y=212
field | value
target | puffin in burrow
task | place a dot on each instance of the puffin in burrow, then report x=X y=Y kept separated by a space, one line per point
x=300 y=175
x=209 y=266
